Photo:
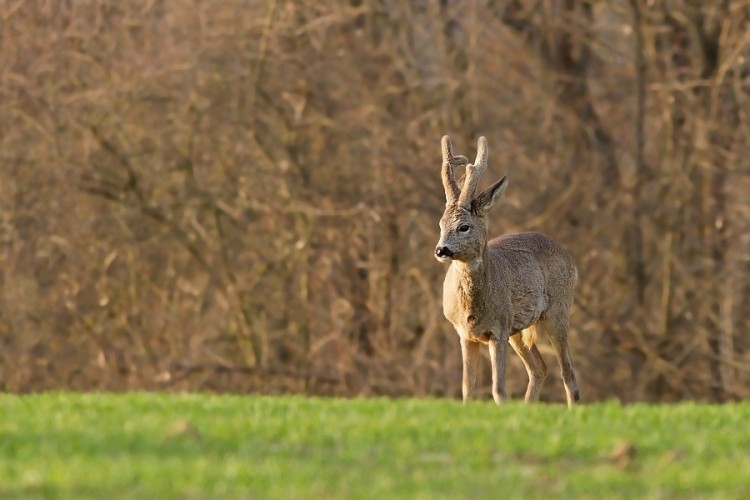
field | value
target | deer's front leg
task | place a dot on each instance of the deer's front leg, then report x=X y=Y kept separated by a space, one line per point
x=470 y=354
x=498 y=345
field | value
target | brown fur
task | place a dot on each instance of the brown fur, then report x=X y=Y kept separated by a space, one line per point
x=504 y=290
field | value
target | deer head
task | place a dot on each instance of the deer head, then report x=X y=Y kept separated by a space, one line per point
x=463 y=226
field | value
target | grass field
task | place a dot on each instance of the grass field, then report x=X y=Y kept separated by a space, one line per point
x=204 y=446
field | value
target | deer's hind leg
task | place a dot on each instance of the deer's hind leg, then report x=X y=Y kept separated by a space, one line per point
x=556 y=326
x=523 y=344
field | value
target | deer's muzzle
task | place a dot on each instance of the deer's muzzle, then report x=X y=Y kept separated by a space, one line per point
x=444 y=252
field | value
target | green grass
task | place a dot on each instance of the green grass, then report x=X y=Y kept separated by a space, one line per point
x=205 y=446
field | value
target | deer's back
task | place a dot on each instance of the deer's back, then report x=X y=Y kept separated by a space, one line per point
x=539 y=272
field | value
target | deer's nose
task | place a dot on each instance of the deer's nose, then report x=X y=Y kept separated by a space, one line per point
x=443 y=252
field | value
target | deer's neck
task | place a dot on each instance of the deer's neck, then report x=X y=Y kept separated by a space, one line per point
x=472 y=278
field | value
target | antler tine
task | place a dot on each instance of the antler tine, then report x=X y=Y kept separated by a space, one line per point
x=452 y=191
x=474 y=173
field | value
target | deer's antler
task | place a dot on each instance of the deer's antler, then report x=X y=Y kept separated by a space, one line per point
x=450 y=162
x=474 y=173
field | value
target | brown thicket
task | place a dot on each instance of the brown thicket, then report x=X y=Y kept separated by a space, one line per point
x=244 y=195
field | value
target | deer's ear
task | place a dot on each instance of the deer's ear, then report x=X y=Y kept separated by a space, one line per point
x=487 y=199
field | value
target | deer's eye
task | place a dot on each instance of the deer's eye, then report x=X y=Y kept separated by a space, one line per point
x=464 y=227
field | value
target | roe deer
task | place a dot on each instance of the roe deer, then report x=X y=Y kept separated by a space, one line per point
x=501 y=291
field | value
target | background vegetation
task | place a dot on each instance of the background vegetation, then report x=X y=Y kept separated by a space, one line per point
x=244 y=195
